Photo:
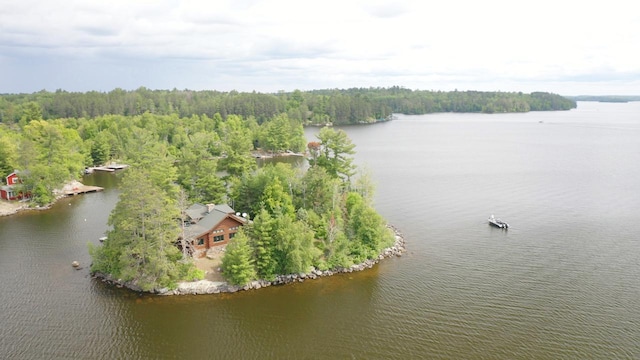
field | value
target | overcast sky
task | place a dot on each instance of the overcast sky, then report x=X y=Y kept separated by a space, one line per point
x=562 y=46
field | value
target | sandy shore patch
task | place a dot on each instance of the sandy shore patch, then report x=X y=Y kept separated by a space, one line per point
x=10 y=207
x=210 y=264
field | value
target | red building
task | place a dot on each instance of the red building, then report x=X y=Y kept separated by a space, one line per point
x=9 y=191
x=209 y=226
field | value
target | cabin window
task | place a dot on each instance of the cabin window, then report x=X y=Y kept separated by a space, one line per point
x=218 y=238
x=201 y=241
x=231 y=235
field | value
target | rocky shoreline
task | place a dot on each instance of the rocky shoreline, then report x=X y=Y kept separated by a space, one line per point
x=215 y=287
x=14 y=207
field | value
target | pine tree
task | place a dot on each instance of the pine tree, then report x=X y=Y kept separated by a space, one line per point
x=141 y=246
x=237 y=262
x=263 y=244
x=335 y=154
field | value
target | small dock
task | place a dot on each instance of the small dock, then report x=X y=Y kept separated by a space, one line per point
x=106 y=168
x=117 y=166
x=82 y=189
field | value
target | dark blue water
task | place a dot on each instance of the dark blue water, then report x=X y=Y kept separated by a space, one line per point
x=562 y=282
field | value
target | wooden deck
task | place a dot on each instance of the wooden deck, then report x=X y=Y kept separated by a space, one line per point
x=82 y=190
x=107 y=168
x=103 y=168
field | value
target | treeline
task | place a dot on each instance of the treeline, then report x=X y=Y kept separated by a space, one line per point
x=348 y=106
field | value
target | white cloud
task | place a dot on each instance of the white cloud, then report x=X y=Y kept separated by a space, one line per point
x=546 y=45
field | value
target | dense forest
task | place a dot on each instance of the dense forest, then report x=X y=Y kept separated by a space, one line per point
x=348 y=106
x=321 y=218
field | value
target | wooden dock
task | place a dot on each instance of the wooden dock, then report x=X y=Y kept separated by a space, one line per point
x=108 y=168
x=117 y=166
x=82 y=190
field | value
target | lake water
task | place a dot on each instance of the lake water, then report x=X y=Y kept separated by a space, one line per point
x=562 y=283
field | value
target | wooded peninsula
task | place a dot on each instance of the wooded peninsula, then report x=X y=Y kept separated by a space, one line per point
x=337 y=106
x=198 y=147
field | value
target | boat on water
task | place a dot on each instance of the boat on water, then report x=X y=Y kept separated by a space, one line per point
x=497 y=222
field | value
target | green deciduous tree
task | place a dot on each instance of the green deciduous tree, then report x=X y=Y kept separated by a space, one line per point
x=366 y=228
x=247 y=193
x=50 y=155
x=318 y=190
x=8 y=152
x=277 y=201
x=295 y=250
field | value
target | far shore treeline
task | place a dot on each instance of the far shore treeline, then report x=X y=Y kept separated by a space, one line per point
x=338 y=106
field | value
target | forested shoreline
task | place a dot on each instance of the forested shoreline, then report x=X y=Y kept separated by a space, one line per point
x=189 y=147
x=337 y=106
x=318 y=219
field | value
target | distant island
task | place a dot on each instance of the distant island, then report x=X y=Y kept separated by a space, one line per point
x=606 y=98
x=334 y=106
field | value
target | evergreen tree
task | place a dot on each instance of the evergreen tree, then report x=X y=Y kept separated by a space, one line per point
x=262 y=235
x=141 y=246
x=237 y=262
x=238 y=145
x=335 y=154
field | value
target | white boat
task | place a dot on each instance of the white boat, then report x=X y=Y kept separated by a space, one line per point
x=497 y=222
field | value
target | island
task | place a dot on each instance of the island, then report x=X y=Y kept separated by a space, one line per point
x=291 y=225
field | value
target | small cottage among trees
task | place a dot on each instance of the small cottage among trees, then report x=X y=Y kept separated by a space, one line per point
x=208 y=226
x=10 y=191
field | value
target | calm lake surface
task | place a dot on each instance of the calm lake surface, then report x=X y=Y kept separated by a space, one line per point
x=562 y=283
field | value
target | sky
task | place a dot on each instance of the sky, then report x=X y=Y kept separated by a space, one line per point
x=562 y=46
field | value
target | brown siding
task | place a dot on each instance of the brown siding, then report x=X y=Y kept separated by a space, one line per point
x=224 y=228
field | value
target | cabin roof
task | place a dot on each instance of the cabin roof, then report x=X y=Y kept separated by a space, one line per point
x=196 y=211
x=207 y=220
